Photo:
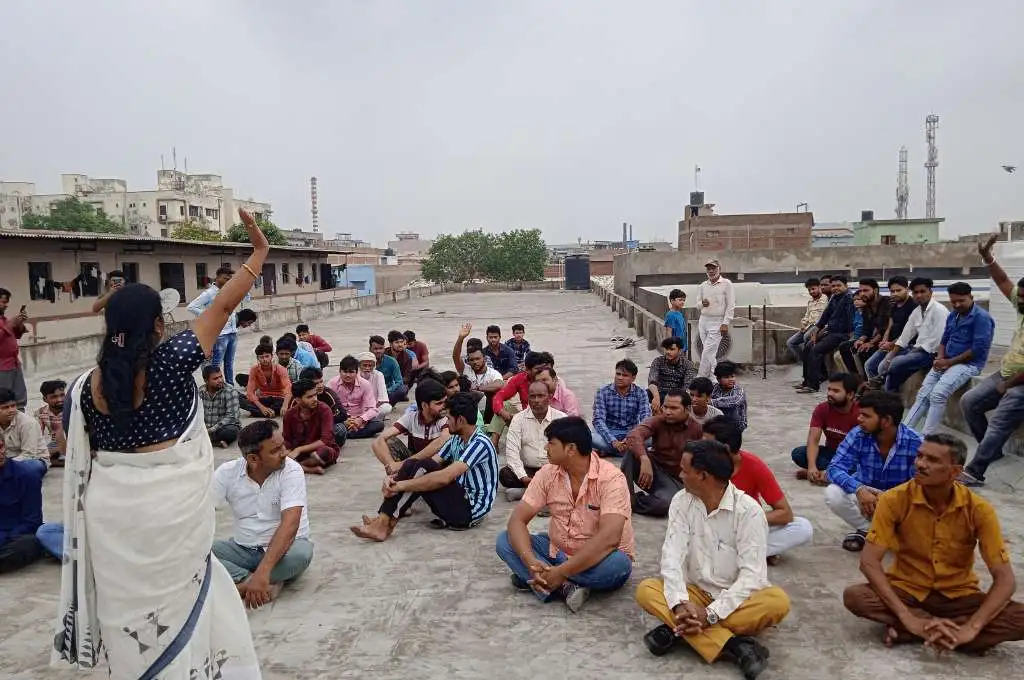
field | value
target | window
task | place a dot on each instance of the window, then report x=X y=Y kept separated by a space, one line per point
x=301 y=272
x=712 y=234
x=162 y=210
x=312 y=271
x=284 y=273
x=213 y=213
x=202 y=280
x=89 y=279
x=163 y=232
x=144 y=205
x=39 y=280
x=131 y=271
x=888 y=239
x=172 y=275
x=194 y=211
x=131 y=205
x=181 y=211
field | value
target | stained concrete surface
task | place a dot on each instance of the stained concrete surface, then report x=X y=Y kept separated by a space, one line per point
x=431 y=604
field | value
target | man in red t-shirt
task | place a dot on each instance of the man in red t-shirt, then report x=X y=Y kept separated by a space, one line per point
x=834 y=418
x=753 y=477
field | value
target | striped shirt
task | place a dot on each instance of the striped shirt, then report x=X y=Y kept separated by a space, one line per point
x=480 y=481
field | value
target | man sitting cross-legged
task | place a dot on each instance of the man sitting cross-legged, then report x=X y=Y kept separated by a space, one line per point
x=21 y=433
x=526 y=441
x=424 y=428
x=714 y=591
x=656 y=472
x=358 y=399
x=618 y=408
x=753 y=477
x=22 y=532
x=309 y=430
x=590 y=541
x=220 y=407
x=331 y=399
x=930 y=593
x=562 y=398
x=51 y=421
x=368 y=371
x=268 y=389
x=670 y=371
x=834 y=418
x=880 y=451
x=701 y=408
x=459 y=484
x=483 y=379
x=266 y=491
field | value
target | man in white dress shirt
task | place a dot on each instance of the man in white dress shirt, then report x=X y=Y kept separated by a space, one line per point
x=717 y=307
x=525 y=441
x=924 y=328
x=266 y=491
x=713 y=591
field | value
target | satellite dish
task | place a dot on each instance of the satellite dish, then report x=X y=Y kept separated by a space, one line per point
x=170 y=298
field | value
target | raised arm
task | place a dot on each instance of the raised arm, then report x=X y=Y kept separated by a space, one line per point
x=464 y=332
x=996 y=271
x=210 y=323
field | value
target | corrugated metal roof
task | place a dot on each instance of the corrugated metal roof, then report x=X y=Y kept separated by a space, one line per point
x=51 y=235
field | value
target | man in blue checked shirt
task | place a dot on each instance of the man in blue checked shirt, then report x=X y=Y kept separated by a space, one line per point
x=961 y=356
x=876 y=456
x=618 y=408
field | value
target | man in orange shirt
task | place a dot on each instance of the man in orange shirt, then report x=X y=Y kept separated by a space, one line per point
x=268 y=392
x=930 y=593
x=590 y=541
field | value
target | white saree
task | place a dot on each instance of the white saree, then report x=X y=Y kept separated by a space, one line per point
x=139 y=585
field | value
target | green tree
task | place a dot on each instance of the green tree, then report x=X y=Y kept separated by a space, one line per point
x=517 y=255
x=238 y=234
x=71 y=214
x=194 y=230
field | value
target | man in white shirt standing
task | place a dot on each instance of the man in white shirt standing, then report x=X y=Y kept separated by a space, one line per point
x=525 y=442
x=924 y=328
x=718 y=305
x=714 y=591
x=266 y=491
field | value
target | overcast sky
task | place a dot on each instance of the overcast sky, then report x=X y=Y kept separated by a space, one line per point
x=569 y=116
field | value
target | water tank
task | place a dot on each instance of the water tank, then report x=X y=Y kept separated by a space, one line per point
x=697 y=198
x=867 y=215
x=577 y=272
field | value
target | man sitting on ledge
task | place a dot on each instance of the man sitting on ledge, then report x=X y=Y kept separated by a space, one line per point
x=930 y=593
x=590 y=545
x=714 y=591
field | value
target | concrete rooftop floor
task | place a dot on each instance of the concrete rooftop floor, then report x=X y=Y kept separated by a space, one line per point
x=431 y=604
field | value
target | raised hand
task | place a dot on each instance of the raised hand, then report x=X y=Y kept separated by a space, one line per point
x=985 y=248
x=465 y=329
x=256 y=236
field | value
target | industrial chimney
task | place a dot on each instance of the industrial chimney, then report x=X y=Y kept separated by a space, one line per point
x=623 y=234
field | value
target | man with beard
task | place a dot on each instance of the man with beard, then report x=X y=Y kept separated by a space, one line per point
x=309 y=430
x=11 y=330
x=388 y=366
x=718 y=305
x=266 y=491
x=397 y=351
x=656 y=472
x=220 y=407
x=21 y=433
x=670 y=371
x=329 y=397
x=834 y=418
x=815 y=306
x=827 y=334
x=924 y=328
x=900 y=307
x=930 y=593
x=51 y=422
x=856 y=351
x=1003 y=390
x=880 y=451
x=368 y=371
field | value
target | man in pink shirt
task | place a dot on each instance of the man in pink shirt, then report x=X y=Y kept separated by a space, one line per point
x=504 y=403
x=359 y=400
x=562 y=398
x=590 y=541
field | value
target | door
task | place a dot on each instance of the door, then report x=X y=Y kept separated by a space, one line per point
x=172 y=275
x=269 y=279
x=326 y=278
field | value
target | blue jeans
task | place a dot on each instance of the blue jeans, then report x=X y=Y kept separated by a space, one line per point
x=872 y=365
x=605 y=447
x=51 y=537
x=796 y=342
x=825 y=454
x=902 y=367
x=991 y=432
x=935 y=391
x=241 y=561
x=224 y=350
x=610 y=573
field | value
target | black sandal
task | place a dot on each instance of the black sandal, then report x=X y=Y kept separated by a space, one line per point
x=854 y=541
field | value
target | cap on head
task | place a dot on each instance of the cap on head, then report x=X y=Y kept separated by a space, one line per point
x=712 y=263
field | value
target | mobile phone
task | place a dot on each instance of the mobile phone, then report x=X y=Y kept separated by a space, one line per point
x=23 y=309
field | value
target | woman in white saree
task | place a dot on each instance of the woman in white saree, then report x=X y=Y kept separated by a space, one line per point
x=139 y=586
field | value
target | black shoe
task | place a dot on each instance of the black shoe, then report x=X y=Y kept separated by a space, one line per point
x=519 y=583
x=661 y=640
x=750 y=655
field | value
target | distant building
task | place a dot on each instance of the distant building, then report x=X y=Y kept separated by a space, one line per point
x=702 y=230
x=410 y=245
x=871 y=232
x=831 y=234
x=1011 y=231
x=15 y=202
x=303 y=239
x=177 y=198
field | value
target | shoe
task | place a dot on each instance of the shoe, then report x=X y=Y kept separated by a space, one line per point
x=967 y=479
x=750 y=655
x=661 y=640
x=513 y=495
x=519 y=584
x=575 y=596
x=807 y=390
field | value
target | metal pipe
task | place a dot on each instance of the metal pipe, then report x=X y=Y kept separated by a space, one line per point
x=764 y=342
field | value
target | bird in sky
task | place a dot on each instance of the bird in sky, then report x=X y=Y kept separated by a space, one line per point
x=1010 y=168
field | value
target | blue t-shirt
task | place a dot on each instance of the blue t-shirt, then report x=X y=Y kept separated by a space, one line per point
x=675 y=321
x=306 y=358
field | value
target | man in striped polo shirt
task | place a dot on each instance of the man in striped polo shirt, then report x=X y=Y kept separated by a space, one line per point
x=459 y=484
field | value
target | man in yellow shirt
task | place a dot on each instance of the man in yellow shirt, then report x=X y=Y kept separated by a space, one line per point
x=932 y=524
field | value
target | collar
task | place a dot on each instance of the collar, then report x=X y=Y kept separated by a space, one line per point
x=595 y=466
x=961 y=495
x=529 y=414
x=968 y=315
x=728 y=501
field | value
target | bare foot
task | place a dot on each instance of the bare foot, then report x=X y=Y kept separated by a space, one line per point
x=891 y=635
x=313 y=469
x=275 y=590
x=376 y=530
x=367 y=519
x=801 y=474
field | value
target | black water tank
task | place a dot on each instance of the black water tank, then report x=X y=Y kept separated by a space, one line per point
x=577 y=272
x=697 y=198
x=867 y=215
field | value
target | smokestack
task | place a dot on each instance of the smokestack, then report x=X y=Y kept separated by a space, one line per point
x=623 y=234
x=631 y=232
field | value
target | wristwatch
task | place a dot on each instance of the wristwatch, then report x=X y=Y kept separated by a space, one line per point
x=712 y=617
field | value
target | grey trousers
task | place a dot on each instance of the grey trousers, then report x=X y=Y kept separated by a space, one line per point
x=15 y=381
x=653 y=501
x=241 y=561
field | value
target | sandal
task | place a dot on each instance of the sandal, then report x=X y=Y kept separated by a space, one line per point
x=854 y=541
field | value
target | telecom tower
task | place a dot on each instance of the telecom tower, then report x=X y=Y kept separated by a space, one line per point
x=931 y=123
x=902 y=187
x=313 y=204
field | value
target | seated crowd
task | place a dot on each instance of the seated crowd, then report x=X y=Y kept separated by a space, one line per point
x=671 y=448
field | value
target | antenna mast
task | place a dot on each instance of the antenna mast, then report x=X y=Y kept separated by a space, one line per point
x=931 y=124
x=903 y=188
x=313 y=204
